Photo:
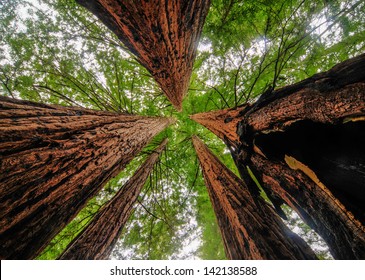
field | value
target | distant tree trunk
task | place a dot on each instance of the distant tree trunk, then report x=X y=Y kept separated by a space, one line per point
x=99 y=237
x=163 y=35
x=305 y=144
x=250 y=227
x=53 y=160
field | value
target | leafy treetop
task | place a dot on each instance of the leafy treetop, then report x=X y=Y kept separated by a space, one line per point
x=54 y=51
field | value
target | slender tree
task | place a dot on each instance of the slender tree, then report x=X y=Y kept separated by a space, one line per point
x=97 y=240
x=162 y=34
x=304 y=143
x=250 y=227
x=53 y=160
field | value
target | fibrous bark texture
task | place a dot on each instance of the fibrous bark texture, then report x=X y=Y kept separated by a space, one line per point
x=53 y=160
x=305 y=145
x=317 y=206
x=163 y=35
x=97 y=240
x=250 y=228
x=222 y=123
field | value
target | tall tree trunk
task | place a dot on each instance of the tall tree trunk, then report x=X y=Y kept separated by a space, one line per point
x=53 y=160
x=163 y=35
x=300 y=186
x=250 y=227
x=305 y=144
x=98 y=239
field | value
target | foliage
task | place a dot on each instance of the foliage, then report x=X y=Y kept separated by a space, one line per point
x=295 y=224
x=54 y=51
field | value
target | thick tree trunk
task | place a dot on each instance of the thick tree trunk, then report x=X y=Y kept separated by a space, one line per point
x=305 y=144
x=222 y=123
x=300 y=188
x=53 y=160
x=250 y=228
x=97 y=240
x=163 y=35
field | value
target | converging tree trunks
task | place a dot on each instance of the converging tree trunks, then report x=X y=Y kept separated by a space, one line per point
x=250 y=227
x=296 y=137
x=53 y=160
x=97 y=240
x=304 y=143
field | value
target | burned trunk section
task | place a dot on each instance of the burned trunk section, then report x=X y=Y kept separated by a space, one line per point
x=249 y=226
x=335 y=153
x=316 y=205
x=99 y=237
x=321 y=128
x=162 y=34
x=53 y=160
x=304 y=144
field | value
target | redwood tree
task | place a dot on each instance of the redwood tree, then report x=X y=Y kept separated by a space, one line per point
x=97 y=240
x=250 y=227
x=304 y=143
x=162 y=34
x=53 y=160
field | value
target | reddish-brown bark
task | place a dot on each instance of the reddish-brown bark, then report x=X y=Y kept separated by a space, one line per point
x=316 y=204
x=222 y=123
x=53 y=160
x=319 y=124
x=162 y=34
x=250 y=228
x=99 y=237
x=311 y=104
